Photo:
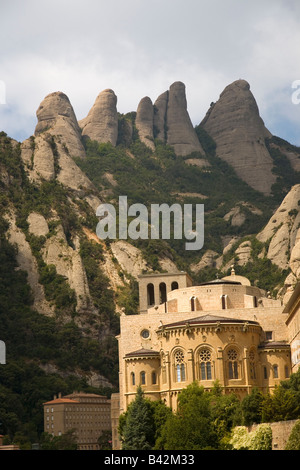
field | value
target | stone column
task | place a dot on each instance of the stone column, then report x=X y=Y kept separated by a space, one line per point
x=220 y=373
x=190 y=366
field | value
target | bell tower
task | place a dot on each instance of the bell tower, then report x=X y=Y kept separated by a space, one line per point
x=154 y=288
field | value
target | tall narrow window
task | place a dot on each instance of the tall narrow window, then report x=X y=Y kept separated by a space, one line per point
x=150 y=294
x=143 y=378
x=265 y=372
x=275 y=372
x=162 y=293
x=205 y=364
x=132 y=378
x=223 y=301
x=233 y=364
x=193 y=304
x=153 y=378
x=180 y=366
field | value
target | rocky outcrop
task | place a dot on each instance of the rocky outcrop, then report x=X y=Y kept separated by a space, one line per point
x=239 y=132
x=46 y=158
x=56 y=116
x=160 y=116
x=101 y=123
x=26 y=260
x=172 y=122
x=181 y=134
x=283 y=233
x=68 y=263
x=144 y=122
x=50 y=153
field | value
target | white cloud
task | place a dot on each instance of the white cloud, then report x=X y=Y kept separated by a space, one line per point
x=140 y=48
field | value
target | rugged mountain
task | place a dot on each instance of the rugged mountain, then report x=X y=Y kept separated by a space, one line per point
x=239 y=132
x=68 y=286
x=173 y=122
x=56 y=115
x=101 y=123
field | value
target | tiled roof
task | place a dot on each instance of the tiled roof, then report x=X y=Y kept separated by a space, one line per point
x=142 y=352
x=56 y=401
x=204 y=319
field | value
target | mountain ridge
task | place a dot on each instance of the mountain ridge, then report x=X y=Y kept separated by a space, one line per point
x=52 y=183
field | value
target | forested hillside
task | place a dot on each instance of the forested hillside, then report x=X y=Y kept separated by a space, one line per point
x=62 y=289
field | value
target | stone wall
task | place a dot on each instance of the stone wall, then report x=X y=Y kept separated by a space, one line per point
x=280 y=433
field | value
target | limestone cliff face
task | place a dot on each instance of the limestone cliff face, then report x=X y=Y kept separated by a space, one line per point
x=239 y=132
x=283 y=233
x=101 y=123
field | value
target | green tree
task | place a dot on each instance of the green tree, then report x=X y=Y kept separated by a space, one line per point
x=191 y=427
x=226 y=412
x=105 y=440
x=293 y=442
x=66 y=441
x=138 y=429
x=281 y=405
x=252 y=407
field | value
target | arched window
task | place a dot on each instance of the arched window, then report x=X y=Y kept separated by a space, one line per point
x=275 y=371
x=205 y=364
x=132 y=378
x=193 y=304
x=174 y=285
x=150 y=294
x=232 y=357
x=179 y=366
x=153 y=378
x=162 y=293
x=143 y=378
x=223 y=301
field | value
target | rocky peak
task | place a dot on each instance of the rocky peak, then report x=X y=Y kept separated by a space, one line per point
x=239 y=132
x=145 y=122
x=101 y=123
x=172 y=122
x=56 y=116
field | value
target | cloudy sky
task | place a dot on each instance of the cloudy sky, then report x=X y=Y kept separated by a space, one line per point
x=140 y=47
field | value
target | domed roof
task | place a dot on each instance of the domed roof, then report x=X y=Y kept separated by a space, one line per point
x=236 y=278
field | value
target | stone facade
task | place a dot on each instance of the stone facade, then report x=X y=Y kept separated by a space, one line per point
x=292 y=308
x=225 y=330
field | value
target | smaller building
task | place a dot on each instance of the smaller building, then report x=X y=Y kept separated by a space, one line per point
x=88 y=414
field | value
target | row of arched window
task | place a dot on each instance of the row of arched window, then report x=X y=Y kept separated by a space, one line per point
x=142 y=378
x=162 y=288
x=205 y=366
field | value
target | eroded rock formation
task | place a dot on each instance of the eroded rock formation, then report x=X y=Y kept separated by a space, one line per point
x=239 y=132
x=101 y=123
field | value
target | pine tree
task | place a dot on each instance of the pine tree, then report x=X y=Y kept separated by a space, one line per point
x=138 y=431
